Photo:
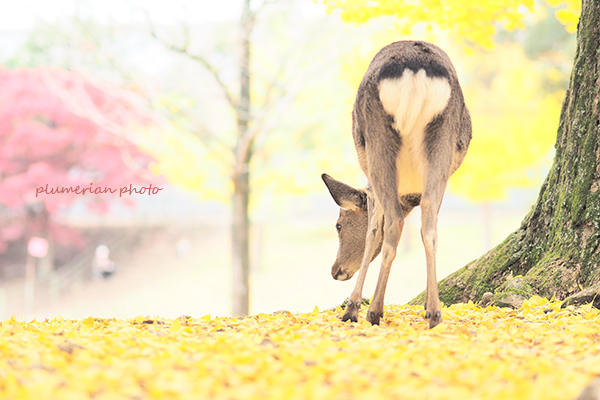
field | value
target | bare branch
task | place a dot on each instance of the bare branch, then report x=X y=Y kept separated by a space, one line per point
x=187 y=38
x=133 y=166
x=278 y=104
x=264 y=3
x=275 y=83
x=199 y=59
x=205 y=133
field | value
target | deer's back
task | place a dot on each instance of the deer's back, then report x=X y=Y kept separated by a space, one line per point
x=411 y=86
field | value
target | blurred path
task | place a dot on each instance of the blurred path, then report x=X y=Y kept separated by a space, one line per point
x=154 y=281
x=294 y=271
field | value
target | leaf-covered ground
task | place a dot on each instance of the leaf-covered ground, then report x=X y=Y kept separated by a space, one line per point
x=538 y=352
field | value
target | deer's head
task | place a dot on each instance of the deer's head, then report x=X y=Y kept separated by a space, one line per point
x=352 y=225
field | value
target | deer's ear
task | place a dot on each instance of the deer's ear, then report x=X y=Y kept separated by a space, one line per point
x=344 y=195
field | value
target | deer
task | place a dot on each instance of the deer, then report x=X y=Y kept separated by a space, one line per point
x=411 y=130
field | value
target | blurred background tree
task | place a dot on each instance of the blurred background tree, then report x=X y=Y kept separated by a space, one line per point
x=45 y=145
x=273 y=72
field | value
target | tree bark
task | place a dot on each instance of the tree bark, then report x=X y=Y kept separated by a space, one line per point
x=240 y=236
x=555 y=251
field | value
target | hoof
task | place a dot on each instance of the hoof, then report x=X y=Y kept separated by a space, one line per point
x=351 y=313
x=374 y=318
x=351 y=318
x=436 y=320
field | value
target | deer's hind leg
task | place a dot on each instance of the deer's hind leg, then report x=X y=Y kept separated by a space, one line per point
x=438 y=154
x=382 y=155
x=430 y=204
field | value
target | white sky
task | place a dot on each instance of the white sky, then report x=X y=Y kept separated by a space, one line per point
x=18 y=17
x=22 y=14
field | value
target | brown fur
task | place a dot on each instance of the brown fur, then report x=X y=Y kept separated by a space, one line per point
x=411 y=131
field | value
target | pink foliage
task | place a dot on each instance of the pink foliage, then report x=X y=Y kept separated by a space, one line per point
x=44 y=141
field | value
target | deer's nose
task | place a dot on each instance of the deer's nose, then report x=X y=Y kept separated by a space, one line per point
x=338 y=274
x=335 y=271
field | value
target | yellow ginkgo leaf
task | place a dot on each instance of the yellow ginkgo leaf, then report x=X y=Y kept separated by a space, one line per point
x=476 y=353
x=176 y=327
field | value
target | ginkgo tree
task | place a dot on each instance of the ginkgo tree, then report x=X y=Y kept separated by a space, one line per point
x=273 y=71
x=555 y=251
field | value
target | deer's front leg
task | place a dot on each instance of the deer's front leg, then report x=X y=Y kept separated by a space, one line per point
x=393 y=230
x=353 y=305
x=373 y=239
x=355 y=300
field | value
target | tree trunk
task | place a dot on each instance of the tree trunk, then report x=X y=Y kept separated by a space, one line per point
x=241 y=179
x=555 y=252
x=45 y=265
x=240 y=245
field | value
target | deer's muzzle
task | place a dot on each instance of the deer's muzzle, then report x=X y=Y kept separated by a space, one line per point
x=339 y=274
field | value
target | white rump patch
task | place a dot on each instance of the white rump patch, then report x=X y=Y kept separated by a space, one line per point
x=413 y=100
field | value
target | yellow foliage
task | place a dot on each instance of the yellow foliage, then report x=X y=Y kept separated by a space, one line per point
x=183 y=160
x=569 y=17
x=469 y=20
x=569 y=14
x=473 y=21
x=538 y=352
x=514 y=124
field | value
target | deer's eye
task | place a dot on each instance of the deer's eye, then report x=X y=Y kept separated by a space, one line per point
x=338 y=227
